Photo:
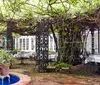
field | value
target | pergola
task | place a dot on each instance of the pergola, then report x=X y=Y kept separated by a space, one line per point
x=42 y=30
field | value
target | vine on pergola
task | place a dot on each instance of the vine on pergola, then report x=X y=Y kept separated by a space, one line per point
x=70 y=18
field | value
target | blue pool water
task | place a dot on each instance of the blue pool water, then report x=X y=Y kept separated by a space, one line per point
x=13 y=79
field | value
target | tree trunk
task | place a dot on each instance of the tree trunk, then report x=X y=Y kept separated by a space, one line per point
x=55 y=38
x=10 y=26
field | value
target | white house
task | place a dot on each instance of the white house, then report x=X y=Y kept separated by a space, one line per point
x=28 y=43
x=88 y=45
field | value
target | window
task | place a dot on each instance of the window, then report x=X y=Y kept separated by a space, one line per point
x=16 y=43
x=27 y=44
x=23 y=44
x=51 y=43
x=20 y=44
x=32 y=43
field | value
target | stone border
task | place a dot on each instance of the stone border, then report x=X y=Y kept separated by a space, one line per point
x=24 y=79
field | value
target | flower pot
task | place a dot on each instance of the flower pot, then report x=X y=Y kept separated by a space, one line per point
x=4 y=69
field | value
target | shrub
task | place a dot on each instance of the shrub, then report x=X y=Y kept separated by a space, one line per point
x=5 y=57
x=14 y=51
x=63 y=64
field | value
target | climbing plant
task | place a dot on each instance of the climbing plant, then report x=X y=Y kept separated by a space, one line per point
x=69 y=18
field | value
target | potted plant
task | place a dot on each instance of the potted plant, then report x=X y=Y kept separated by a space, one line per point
x=5 y=58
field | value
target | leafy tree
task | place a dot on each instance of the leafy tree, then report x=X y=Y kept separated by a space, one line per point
x=62 y=15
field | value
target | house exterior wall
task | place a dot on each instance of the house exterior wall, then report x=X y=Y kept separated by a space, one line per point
x=88 y=45
x=28 y=43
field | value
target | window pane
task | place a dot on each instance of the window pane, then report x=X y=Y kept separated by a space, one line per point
x=23 y=44
x=27 y=44
x=32 y=43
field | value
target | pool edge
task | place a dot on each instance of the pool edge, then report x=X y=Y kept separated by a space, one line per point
x=24 y=79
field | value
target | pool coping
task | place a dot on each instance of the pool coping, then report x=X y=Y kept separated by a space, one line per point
x=24 y=79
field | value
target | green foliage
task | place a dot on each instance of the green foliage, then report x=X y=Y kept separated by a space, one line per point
x=50 y=51
x=52 y=2
x=76 y=29
x=12 y=8
x=74 y=2
x=21 y=8
x=70 y=43
x=5 y=57
x=62 y=64
x=27 y=9
x=14 y=51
